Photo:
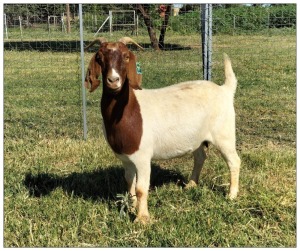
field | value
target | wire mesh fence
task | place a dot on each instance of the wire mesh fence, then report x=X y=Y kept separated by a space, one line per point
x=48 y=26
x=50 y=33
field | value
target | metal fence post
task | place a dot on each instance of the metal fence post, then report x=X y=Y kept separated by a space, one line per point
x=5 y=25
x=82 y=74
x=110 y=22
x=206 y=35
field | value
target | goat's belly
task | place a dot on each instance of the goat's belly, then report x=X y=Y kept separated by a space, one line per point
x=171 y=153
x=167 y=149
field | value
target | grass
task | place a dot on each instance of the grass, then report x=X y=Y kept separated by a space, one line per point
x=61 y=191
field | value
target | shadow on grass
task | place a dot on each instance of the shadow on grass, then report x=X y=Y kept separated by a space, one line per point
x=99 y=184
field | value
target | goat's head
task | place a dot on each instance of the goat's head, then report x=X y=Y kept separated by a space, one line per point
x=116 y=63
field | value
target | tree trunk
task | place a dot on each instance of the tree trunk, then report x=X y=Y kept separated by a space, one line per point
x=164 y=26
x=68 y=18
x=147 y=19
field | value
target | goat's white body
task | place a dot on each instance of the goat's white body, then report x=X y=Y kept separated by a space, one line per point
x=178 y=118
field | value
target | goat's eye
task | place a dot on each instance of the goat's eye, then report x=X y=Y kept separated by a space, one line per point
x=126 y=57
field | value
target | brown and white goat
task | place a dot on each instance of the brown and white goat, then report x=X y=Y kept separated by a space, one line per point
x=141 y=125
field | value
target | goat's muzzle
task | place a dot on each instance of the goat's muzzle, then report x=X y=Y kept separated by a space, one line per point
x=114 y=84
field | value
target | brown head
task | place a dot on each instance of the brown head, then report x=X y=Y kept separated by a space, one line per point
x=116 y=63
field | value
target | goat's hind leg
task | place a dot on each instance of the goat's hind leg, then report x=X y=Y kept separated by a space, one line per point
x=199 y=158
x=233 y=161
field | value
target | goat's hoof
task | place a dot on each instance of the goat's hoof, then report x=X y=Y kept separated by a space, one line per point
x=232 y=196
x=191 y=184
x=144 y=219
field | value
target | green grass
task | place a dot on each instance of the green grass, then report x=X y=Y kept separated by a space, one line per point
x=61 y=191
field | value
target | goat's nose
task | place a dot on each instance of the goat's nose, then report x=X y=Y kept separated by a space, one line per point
x=112 y=80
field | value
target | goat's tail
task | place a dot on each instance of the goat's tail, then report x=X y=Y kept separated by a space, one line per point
x=230 y=79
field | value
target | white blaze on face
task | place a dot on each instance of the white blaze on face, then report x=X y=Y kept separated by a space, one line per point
x=114 y=80
x=115 y=76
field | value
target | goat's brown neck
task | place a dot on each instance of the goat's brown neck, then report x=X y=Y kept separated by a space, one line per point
x=122 y=120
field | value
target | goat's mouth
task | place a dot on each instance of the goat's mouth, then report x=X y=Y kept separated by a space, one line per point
x=114 y=89
x=114 y=85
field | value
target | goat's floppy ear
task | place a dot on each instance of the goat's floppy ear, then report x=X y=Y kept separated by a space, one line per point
x=134 y=74
x=94 y=71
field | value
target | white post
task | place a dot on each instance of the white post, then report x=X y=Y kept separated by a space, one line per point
x=63 y=28
x=20 y=22
x=96 y=23
x=5 y=25
x=82 y=74
x=48 y=25
x=110 y=22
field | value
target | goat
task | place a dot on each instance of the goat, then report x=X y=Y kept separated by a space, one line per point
x=141 y=125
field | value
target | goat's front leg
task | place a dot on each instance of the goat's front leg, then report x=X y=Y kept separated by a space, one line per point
x=143 y=169
x=130 y=176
